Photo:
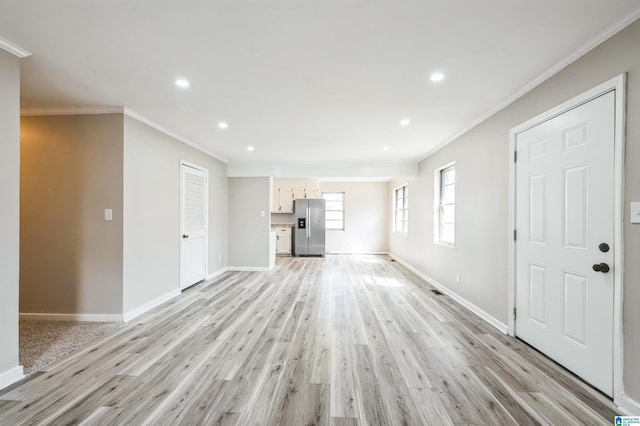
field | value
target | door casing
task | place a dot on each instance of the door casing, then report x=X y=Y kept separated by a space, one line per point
x=617 y=84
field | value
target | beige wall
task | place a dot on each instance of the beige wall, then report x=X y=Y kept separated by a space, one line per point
x=70 y=257
x=248 y=229
x=9 y=214
x=482 y=161
x=366 y=218
x=152 y=212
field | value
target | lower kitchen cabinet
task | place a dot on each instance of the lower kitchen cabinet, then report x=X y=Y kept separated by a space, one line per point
x=283 y=240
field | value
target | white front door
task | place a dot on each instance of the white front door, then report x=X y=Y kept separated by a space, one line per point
x=564 y=219
x=193 y=225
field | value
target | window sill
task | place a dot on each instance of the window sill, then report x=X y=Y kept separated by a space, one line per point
x=445 y=244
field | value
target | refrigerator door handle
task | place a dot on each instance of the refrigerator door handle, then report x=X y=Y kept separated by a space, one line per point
x=308 y=222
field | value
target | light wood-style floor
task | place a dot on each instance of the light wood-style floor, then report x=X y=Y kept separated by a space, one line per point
x=345 y=340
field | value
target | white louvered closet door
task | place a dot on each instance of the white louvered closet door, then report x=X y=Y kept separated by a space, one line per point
x=193 y=225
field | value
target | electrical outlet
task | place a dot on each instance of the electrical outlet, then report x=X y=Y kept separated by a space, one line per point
x=108 y=214
x=458 y=277
x=219 y=257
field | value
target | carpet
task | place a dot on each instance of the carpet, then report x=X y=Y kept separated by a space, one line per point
x=43 y=342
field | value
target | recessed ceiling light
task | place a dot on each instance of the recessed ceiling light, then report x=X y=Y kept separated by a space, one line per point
x=250 y=148
x=404 y=122
x=386 y=148
x=223 y=125
x=436 y=77
x=181 y=82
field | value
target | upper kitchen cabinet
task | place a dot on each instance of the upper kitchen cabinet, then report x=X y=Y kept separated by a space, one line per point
x=287 y=190
x=282 y=200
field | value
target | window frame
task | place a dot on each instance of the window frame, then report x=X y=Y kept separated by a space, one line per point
x=404 y=209
x=438 y=206
x=343 y=211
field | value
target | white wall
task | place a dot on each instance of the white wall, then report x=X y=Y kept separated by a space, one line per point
x=248 y=228
x=366 y=218
x=482 y=165
x=152 y=212
x=9 y=216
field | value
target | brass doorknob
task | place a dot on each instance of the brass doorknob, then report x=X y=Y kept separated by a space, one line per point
x=185 y=236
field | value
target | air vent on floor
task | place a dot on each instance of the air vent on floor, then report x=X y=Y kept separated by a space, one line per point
x=437 y=292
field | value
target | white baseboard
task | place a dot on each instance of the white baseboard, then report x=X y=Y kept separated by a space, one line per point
x=359 y=252
x=216 y=273
x=249 y=268
x=502 y=327
x=9 y=377
x=629 y=406
x=136 y=312
x=71 y=317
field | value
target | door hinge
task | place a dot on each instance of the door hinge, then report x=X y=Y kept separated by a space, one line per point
x=515 y=313
x=515 y=156
x=514 y=235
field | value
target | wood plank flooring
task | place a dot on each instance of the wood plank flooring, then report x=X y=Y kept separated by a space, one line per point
x=344 y=340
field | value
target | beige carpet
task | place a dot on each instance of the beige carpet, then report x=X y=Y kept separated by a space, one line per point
x=43 y=342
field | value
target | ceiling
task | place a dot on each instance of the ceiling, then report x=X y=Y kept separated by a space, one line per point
x=302 y=80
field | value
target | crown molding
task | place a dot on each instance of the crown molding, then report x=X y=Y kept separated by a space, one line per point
x=130 y=113
x=14 y=49
x=71 y=111
x=577 y=54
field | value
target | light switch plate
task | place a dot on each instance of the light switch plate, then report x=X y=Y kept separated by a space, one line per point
x=635 y=213
x=108 y=214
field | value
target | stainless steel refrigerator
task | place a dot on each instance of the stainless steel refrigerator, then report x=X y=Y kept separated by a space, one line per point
x=309 y=227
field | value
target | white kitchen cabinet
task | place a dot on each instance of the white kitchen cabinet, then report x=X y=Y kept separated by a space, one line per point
x=282 y=200
x=285 y=190
x=283 y=240
x=306 y=188
x=286 y=200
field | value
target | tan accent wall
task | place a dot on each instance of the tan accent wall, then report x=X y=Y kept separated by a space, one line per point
x=70 y=257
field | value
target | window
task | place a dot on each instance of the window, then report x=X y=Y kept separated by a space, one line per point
x=335 y=210
x=445 y=219
x=401 y=210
